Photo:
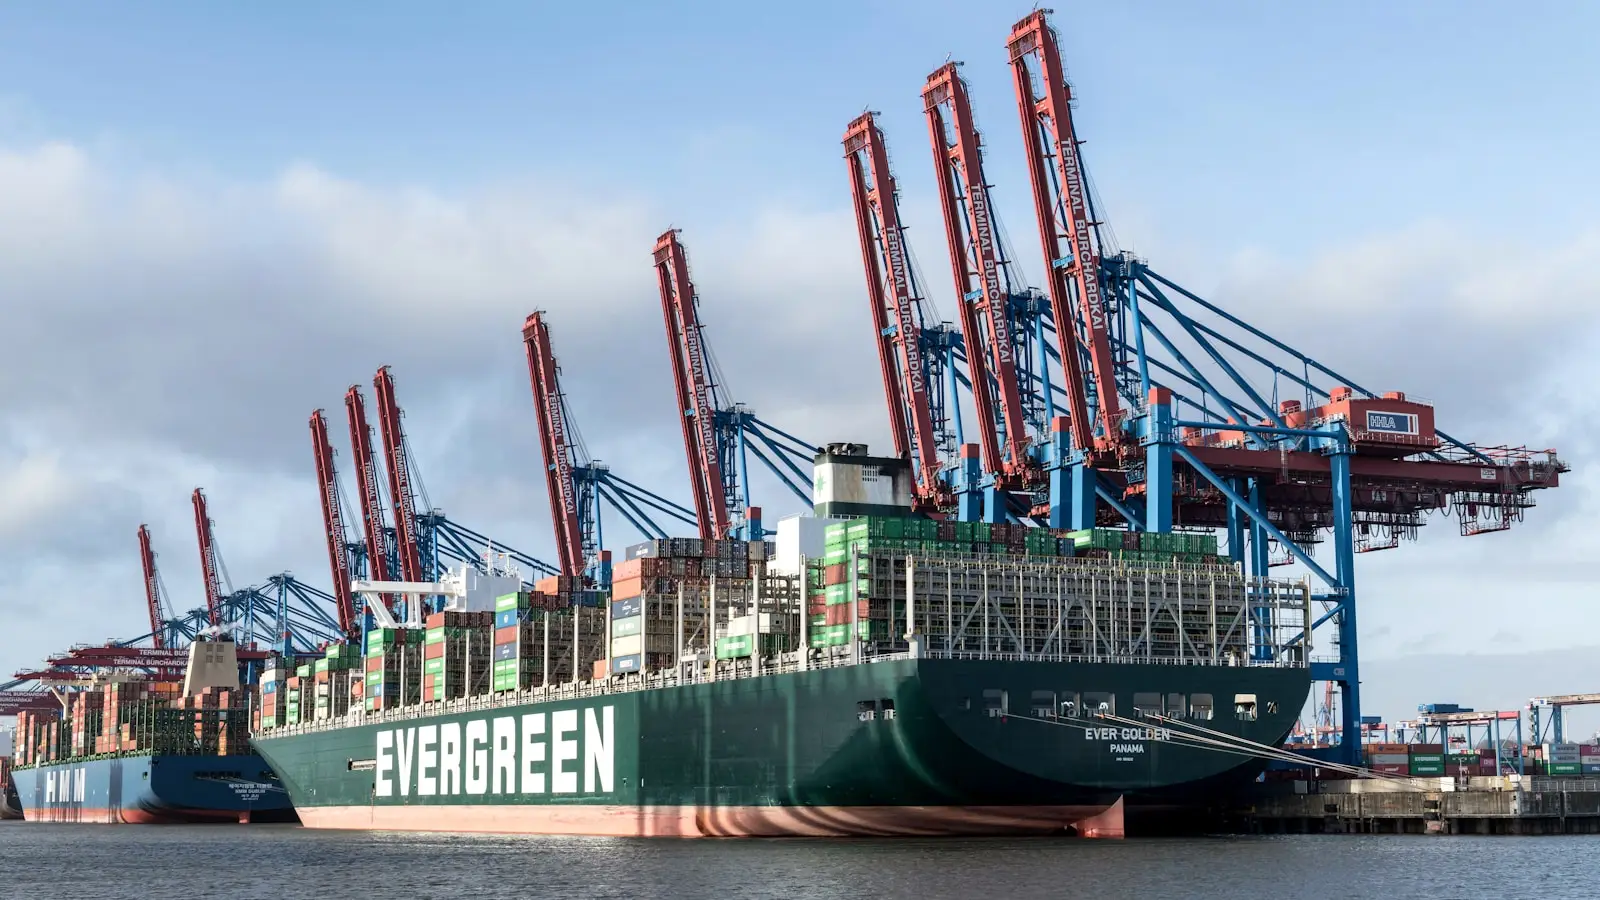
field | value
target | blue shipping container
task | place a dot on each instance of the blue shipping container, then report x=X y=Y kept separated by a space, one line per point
x=505 y=619
x=505 y=651
x=270 y=687
x=622 y=609
x=627 y=663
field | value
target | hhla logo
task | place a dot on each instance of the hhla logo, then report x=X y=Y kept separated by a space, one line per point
x=535 y=753
x=64 y=786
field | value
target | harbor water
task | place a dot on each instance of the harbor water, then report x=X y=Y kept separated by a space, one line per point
x=90 y=862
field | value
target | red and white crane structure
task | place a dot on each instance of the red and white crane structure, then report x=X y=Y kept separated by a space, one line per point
x=397 y=462
x=691 y=379
x=210 y=566
x=560 y=456
x=333 y=526
x=917 y=418
x=372 y=511
x=1071 y=251
x=152 y=590
x=976 y=264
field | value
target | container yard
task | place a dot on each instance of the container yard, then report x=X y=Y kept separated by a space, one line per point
x=1056 y=604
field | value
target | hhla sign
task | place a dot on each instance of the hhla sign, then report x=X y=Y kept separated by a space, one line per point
x=533 y=753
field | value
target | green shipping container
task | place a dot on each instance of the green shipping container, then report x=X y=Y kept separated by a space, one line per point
x=434 y=635
x=321 y=666
x=433 y=666
x=1559 y=768
x=303 y=671
x=508 y=602
x=736 y=646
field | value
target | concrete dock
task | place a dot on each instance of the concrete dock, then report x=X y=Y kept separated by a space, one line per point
x=1510 y=804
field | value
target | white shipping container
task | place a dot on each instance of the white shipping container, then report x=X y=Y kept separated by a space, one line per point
x=627 y=646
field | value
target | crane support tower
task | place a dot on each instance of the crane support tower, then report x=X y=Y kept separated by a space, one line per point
x=557 y=449
x=339 y=561
x=911 y=354
x=975 y=262
x=718 y=435
x=152 y=590
x=381 y=561
x=1071 y=254
x=691 y=378
x=397 y=460
x=209 y=566
x=580 y=486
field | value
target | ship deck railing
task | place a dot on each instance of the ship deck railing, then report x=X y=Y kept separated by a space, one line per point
x=786 y=664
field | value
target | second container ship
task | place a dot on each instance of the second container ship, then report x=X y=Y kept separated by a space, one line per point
x=132 y=750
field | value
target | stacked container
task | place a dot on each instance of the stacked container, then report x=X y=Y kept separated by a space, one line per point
x=1389 y=759
x=393 y=668
x=457 y=655
x=1589 y=758
x=511 y=638
x=272 y=709
x=1563 y=759
x=1426 y=760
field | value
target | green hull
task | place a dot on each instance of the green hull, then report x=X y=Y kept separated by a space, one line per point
x=929 y=746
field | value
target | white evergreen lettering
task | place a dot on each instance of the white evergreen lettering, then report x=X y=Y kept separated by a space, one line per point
x=505 y=756
x=384 y=784
x=477 y=756
x=599 y=759
x=405 y=744
x=563 y=722
x=532 y=753
x=449 y=759
x=427 y=758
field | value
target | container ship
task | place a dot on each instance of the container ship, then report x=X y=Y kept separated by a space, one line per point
x=871 y=675
x=141 y=751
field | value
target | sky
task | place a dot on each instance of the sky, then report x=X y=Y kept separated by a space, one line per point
x=216 y=217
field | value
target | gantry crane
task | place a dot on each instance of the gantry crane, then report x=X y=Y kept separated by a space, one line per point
x=380 y=554
x=340 y=562
x=397 y=461
x=718 y=435
x=1177 y=413
x=917 y=356
x=979 y=270
x=210 y=565
x=421 y=537
x=154 y=601
x=576 y=483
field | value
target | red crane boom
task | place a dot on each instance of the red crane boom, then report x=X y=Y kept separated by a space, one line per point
x=395 y=459
x=152 y=589
x=209 y=569
x=1062 y=207
x=333 y=526
x=975 y=262
x=691 y=379
x=889 y=290
x=371 y=488
x=559 y=454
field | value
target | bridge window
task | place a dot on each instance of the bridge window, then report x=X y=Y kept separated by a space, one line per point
x=1177 y=707
x=1043 y=704
x=1069 y=705
x=1244 y=707
x=867 y=710
x=1146 y=705
x=1200 y=706
x=1099 y=703
x=995 y=703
